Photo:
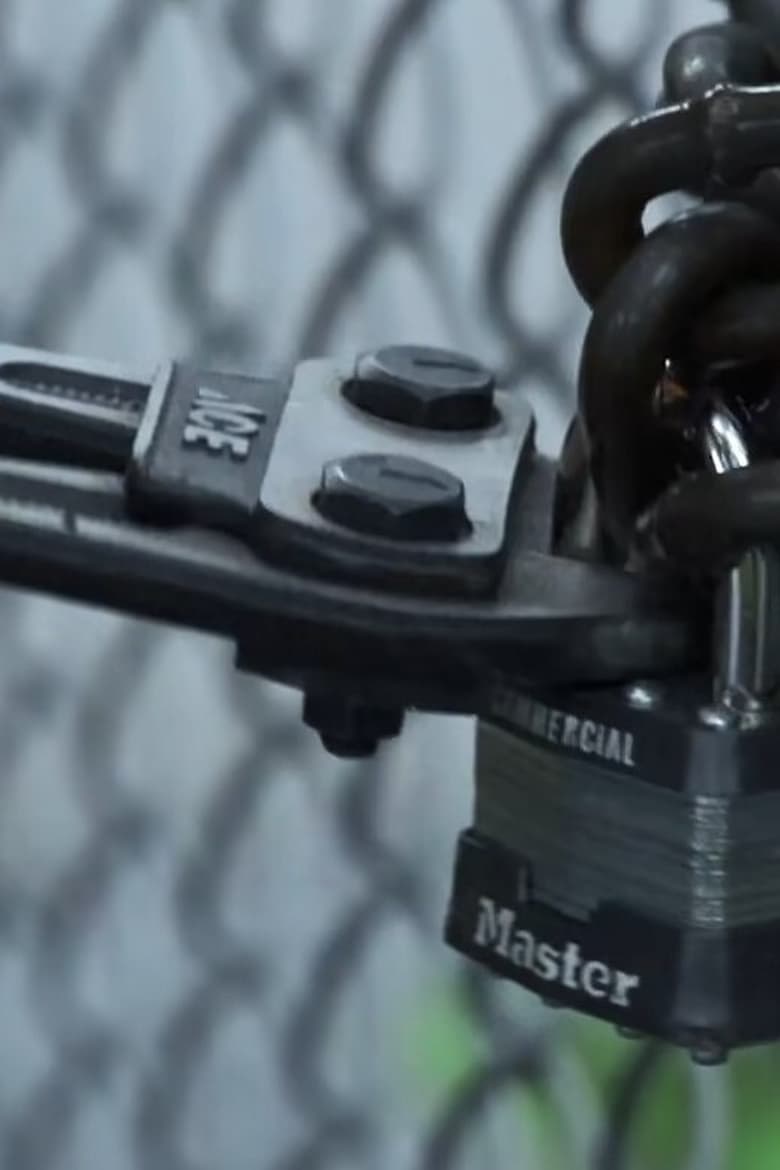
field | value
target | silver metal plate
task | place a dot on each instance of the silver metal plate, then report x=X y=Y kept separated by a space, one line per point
x=319 y=426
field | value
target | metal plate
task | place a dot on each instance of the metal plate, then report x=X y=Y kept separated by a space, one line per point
x=319 y=425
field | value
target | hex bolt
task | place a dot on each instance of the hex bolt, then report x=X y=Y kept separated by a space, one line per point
x=393 y=496
x=425 y=387
x=349 y=727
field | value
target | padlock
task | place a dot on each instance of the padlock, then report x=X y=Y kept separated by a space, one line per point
x=623 y=859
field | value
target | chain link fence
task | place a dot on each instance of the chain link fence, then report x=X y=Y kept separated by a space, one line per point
x=219 y=948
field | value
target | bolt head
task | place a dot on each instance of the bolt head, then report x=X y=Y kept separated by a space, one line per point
x=393 y=496
x=422 y=386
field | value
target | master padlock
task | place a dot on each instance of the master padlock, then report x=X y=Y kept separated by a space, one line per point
x=623 y=857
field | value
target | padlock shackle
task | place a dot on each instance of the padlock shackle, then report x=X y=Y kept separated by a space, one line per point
x=747 y=662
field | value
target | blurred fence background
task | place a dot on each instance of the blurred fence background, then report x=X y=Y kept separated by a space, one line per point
x=220 y=949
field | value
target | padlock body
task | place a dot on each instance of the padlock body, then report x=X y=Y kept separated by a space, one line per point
x=624 y=860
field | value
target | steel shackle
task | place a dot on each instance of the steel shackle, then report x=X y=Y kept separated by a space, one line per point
x=747 y=612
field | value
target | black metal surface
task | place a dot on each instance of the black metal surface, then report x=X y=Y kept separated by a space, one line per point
x=717 y=141
x=348 y=726
x=202 y=447
x=66 y=411
x=746 y=507
x=638 y=324
x=763 y=15
x=699 y=289
x=695 y=977
x=628 y=831
x=716 y=55
x=421 y=386
x=393 y=496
